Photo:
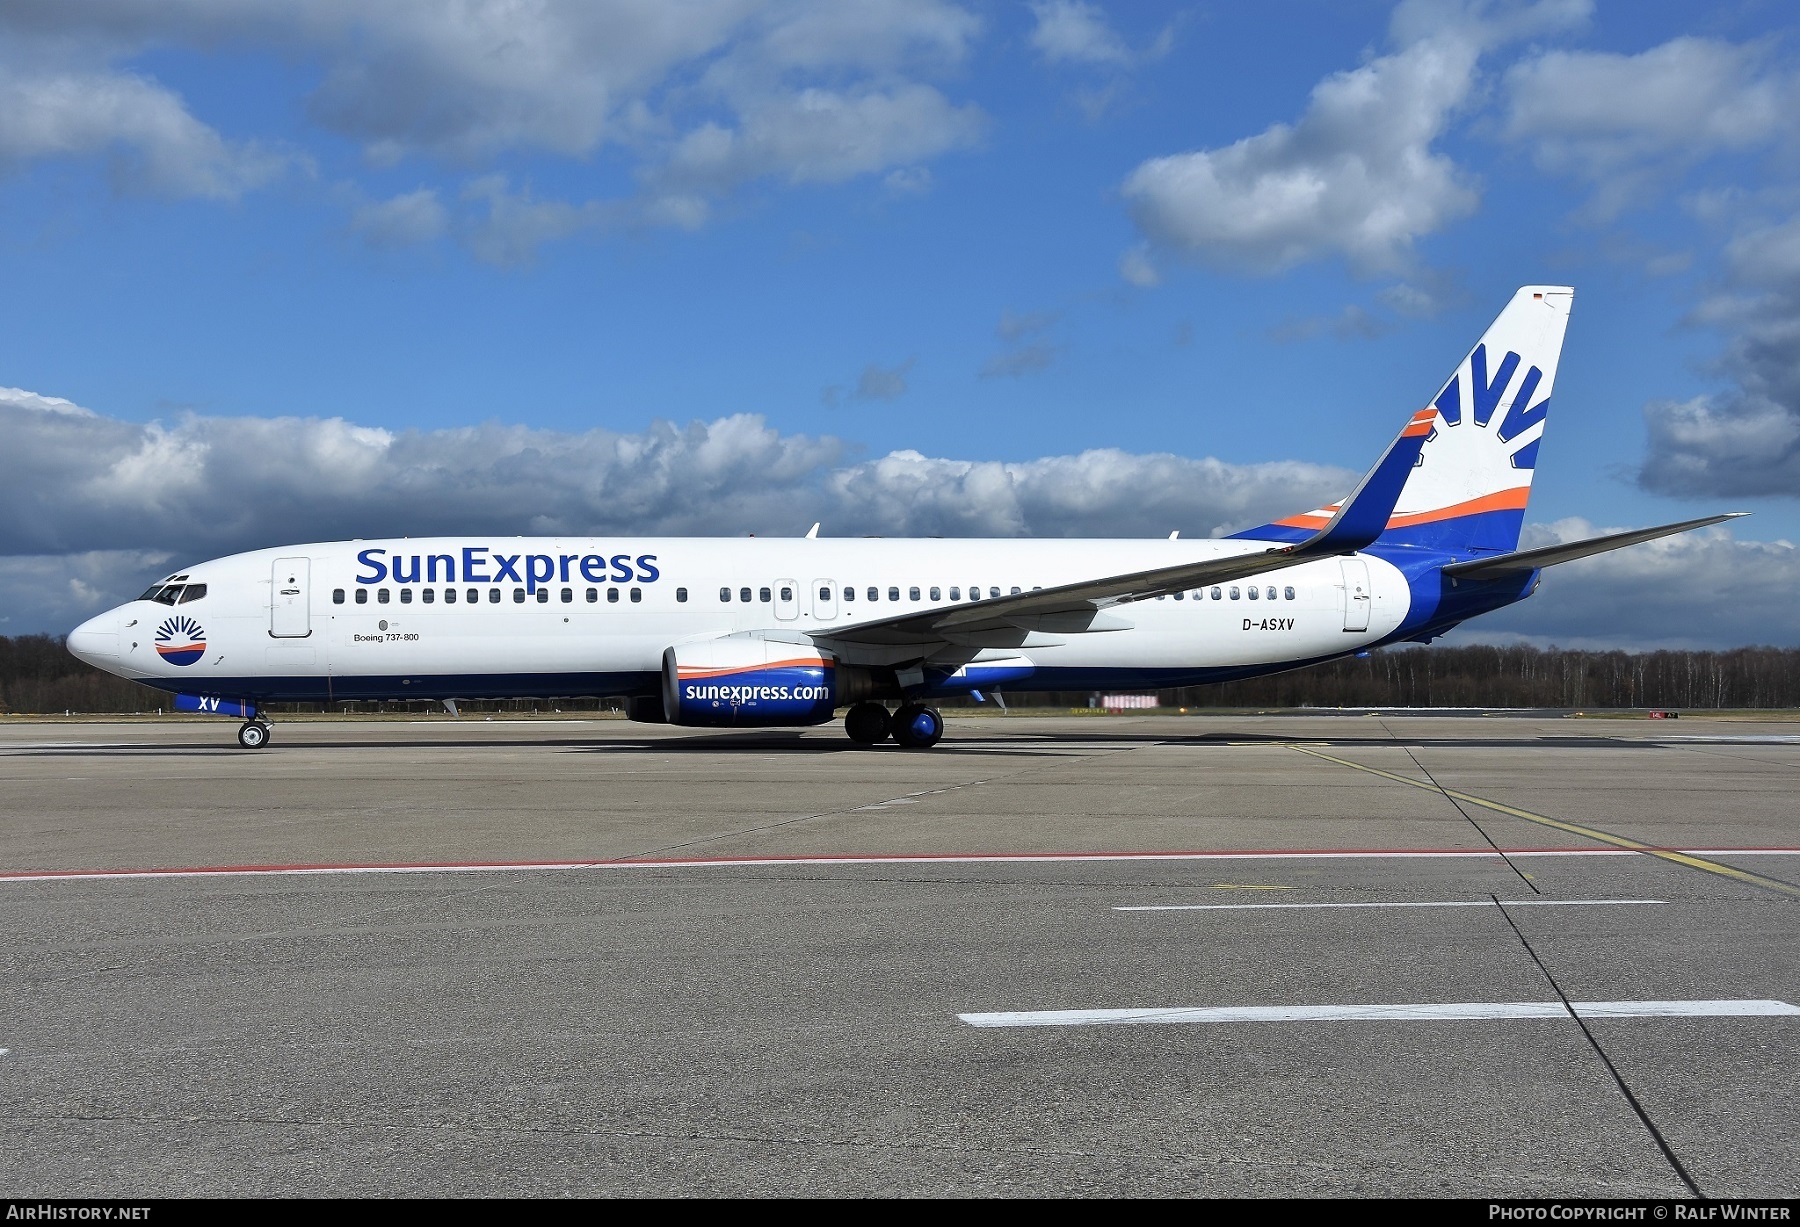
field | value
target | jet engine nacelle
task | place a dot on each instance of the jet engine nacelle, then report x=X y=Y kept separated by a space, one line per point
x=748 y=682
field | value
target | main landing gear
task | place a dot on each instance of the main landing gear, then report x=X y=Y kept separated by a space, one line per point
x=914 y=726
x=254 y=734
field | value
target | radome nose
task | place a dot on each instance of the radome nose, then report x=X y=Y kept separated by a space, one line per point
x=97 y=640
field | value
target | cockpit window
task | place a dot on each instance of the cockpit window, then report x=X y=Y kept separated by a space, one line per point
x=192 y=593
x=163 y=594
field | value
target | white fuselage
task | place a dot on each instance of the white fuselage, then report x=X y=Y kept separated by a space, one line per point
x=473 y=617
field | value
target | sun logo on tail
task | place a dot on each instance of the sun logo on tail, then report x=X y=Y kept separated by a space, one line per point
x=180 y=641
x=1485 y=396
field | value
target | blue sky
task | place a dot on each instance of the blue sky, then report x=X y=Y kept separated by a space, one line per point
x=309 y=267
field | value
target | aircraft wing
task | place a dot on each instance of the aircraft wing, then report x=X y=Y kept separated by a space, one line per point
x=1075 y=608
x=1548 y=556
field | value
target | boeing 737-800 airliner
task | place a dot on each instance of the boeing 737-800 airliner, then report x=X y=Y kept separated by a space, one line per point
x=761 y=632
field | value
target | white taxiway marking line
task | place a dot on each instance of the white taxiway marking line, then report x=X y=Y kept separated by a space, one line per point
x=733 y=863
x=1277 y=907
x=1456 y=1011
x=1748 y=738
x=19 y=746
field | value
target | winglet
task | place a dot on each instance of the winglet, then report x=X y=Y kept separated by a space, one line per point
x=1364 y=515
x=812 y=534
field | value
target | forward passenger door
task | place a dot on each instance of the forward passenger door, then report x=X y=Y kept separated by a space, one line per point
x=290 y=609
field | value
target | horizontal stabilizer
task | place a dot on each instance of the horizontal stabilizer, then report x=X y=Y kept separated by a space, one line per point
x=1550 y=555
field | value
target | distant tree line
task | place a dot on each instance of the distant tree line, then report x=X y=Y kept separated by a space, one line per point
x=1523 y=677
x=37 y=675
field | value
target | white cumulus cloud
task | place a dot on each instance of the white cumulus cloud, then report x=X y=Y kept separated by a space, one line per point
x=1069 y=31
x=1744 y=441
x=1355 y=176
x=1358 y=175
x=400 y=221
x=699 y=97
x=1621 y=121
x=145 y=134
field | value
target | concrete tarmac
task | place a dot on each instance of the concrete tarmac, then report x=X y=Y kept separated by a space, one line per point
x=738 y=962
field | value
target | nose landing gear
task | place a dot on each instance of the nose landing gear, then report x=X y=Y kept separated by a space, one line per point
x=253 y=734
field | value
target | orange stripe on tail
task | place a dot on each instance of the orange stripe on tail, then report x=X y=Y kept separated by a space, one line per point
x=1504 y=500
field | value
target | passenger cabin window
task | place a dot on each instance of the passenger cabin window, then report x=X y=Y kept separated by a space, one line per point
x=912 y=594
x=762 y=594
x=849 y=594
x=875 y=594
x=1215 y=594
x=637 y=594
x=362 y=596
x=337 y=596
x=1288 y=592
x=1015 y=592
x=1181 y=596
x=493 y=596
x=937 y=594
x=449 y=596
x=543 y=597
x=1270 y=592
x=568 y=594
x=725 y=596
x=681 y=596
x=994 y=594
x=1253 y=592
x=518 y=596
x=428 y=595
x=744 y=595
x=593 y=595
x=381 y=596
x=1234 y=592
x=824 y=594
x=894 y=594
x=406 y=596
x=612 y=596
